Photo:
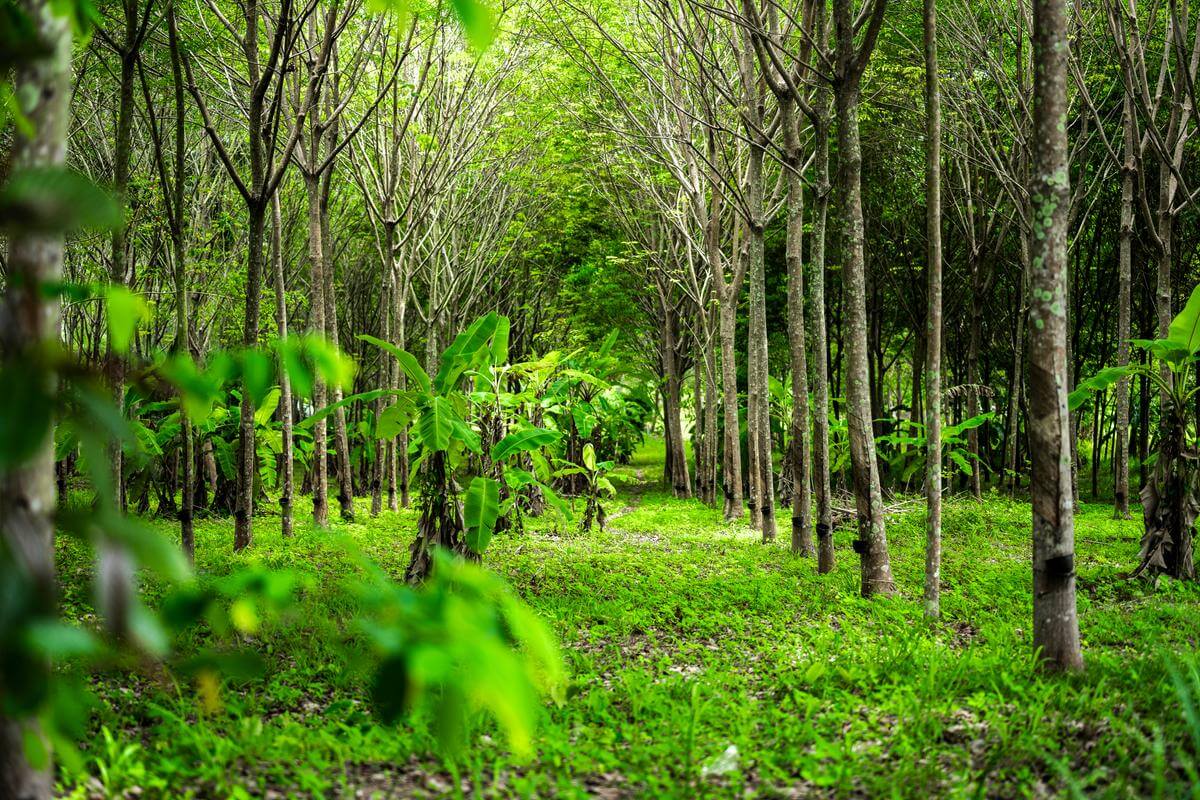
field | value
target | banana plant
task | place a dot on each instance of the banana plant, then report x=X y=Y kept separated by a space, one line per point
x=1171 y=498
x=596 y=483
x=435 y=412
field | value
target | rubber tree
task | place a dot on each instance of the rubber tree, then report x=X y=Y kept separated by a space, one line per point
x=1055 y=624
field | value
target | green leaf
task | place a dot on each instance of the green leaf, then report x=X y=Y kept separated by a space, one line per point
x=396 y=418
x=258 y=374
x=56 y=200
x=523 y=440
x=266 y=409
x=461 y=355
x=1099 y=382
x=481 y=508
x=958 y=458
x=589 y=456
x=408 y=362
x=334 y=366
x=478 y=21
x=125 y=310
x=1185 y=328
x=25 y=412
x=436 y=424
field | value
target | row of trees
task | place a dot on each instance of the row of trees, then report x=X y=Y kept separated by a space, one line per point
x=732 y=183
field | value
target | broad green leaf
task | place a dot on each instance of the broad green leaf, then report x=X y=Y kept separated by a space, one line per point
x=478 y=21
x=461 y=355
x=258 y=374
x=523 y=440
x=396 y=418
x=25 y=412
x=408 y=363
x=125 y=310
x=589 y=456
x=436 y=424
x=56 y=200
x=1185 y=328
x=334 y=366
x=958 y=458
x=266 y=409
x=481 y=508
x=1099 y=382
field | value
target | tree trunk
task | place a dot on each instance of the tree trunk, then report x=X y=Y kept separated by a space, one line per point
x=820 y=348
x=287 y=468
x=933 y=317
x=732 y=477
x=1124 y=290
x=187 y=535
x=243 y=533
x=1055 y=626
x=29 y=322
x=758 y=397
x=316 y=265
x=677 y=476
x=341 y=439
x=872 y=536
x=799 y=453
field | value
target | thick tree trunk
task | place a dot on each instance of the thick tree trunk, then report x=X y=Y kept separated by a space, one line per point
x=933 y=317
x=30 y=320
x=872 y=536
x=1055 y=626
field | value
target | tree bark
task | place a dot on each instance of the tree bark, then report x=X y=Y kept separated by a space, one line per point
x=876 y=570
x=933 y=317
x=287 y=451
x=1124 y=290
x=29 y=321
x=1055 y=625
x=799 y=452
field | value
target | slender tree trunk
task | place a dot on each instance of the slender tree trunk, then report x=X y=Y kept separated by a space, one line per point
x=1017 y=381
x=187 y=536
x=820 y=347
x=799 y=453
x=118 y=268
x=678 y=470
x=316 y=265
x=384 y=381
x=933 y=317
x=29 y=321
x=341 y=443
x=975 y=480
x=1124 y=291
x=247 y=455
x=287 y=456
x=872 y=539
x=758 y=398
x=1055 y=626
x=732 y=480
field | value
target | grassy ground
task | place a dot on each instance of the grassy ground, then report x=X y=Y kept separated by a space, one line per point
x=687 y=638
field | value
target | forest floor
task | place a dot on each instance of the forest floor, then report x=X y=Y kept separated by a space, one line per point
x=703 y=663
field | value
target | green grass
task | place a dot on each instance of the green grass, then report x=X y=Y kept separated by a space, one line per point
x=684 y=636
